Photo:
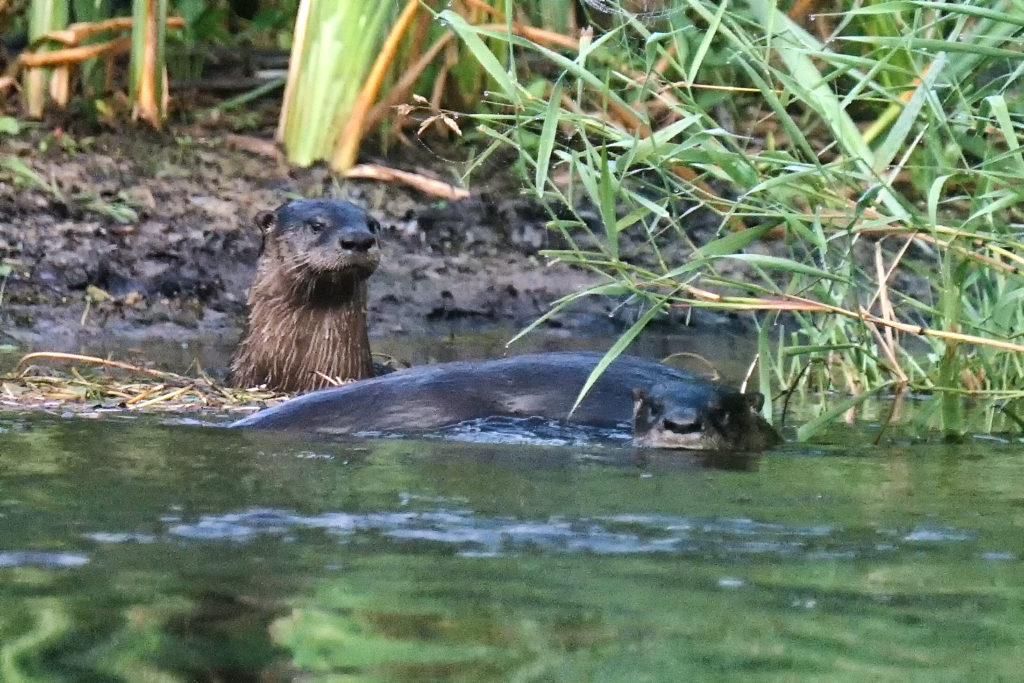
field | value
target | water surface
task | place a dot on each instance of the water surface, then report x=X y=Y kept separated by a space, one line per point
x=133 y=550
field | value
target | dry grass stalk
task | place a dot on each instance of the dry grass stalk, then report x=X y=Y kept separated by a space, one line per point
x=29 y=386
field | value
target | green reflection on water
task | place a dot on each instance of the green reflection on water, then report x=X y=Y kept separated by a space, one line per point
x=139 y=551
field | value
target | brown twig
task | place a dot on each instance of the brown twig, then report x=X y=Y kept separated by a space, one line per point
x=537 y=35
x=76 y=33
x=426 y=185
x=790 y=302
x=74 y=55
x=886 y=339
x=495 y=13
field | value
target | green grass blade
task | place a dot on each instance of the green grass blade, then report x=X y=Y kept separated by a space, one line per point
x=810 y=429
x=618 y=347
x=469 y=35
x=786 y=265
x=895 y=141
x=1002 y=114
x=547 y=139
x=705 y=44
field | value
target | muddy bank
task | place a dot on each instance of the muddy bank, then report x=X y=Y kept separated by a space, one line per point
x=139 y=236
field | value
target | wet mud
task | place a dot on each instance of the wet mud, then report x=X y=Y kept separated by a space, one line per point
x=136 y=236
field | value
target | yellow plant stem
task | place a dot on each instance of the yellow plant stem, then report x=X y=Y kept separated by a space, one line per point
x=348 y=144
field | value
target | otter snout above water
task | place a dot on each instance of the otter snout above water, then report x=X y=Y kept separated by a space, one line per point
x=669 y=409
x=669 y=415
x=307 y=303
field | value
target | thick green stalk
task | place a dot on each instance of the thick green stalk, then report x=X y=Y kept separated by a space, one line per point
x=44 y=16
x=328 y=69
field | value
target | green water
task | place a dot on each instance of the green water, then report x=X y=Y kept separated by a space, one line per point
x=135 y=551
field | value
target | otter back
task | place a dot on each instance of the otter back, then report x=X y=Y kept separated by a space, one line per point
x=546 y=385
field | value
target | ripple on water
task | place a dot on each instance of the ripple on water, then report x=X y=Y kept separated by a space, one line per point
x=36 y=558
x=472 y=534
x=936 y=534
x=121 y=537
x=535 y=431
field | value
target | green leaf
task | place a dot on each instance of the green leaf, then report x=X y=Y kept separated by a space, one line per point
x=1002 y=114
x=483 y=54
x=733 y=242
x=764 y=381
x=785 y=265
x=608 y=289
x=9 y=125
x=895 y=141
x=618 y=347
x=810 y=429
x=705 y=44
x=934 y=194
x=793 y=45
x=547 y=138
x=607 y=201
x=22 y=171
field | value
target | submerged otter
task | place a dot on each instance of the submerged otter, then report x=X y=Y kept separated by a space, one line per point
x=307 y=303
x=668 y=408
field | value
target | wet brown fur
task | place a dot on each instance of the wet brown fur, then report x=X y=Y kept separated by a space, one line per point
x=307 y=315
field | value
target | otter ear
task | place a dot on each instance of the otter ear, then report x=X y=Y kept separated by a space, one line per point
x=265 y=220
x=755 y=399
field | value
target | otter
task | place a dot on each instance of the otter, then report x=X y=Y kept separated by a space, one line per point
x=307 y=303
x=666 y=407
x=679 y=414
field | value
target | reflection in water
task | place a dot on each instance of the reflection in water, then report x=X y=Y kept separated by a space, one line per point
x=176 y=553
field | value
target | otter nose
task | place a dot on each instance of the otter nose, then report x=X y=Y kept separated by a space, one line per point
x=356 y=240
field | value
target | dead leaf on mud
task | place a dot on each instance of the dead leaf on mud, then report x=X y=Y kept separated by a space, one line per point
x=217 y=208
x=258 y=146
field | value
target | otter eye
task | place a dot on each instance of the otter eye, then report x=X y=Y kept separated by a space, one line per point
x=316 y=225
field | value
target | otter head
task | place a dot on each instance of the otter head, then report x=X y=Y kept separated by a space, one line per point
x=322 y=247
x=700 y=417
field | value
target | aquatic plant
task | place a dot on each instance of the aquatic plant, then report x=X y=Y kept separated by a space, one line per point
x=861 y=169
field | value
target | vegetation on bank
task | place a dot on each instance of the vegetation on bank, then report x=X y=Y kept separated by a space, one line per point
x=878 y=142
x=873 y=147
x=110 y=384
